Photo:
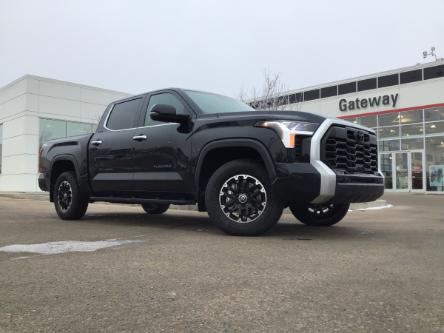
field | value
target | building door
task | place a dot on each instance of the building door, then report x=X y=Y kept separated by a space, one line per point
x=403 y=170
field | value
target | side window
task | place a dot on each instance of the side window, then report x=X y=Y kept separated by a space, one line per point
x=164 y=98
x=124 y=115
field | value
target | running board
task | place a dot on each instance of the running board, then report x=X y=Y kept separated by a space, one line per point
x=141 y=200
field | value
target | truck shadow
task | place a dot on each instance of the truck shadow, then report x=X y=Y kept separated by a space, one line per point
x=286 y=229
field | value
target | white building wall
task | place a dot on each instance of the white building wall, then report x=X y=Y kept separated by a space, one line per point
x=26 y=100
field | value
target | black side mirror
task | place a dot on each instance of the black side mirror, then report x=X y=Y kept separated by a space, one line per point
x=167 y=114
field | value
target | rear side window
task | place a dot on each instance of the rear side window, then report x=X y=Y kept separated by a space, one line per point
x=164 y=98
x=124 y=115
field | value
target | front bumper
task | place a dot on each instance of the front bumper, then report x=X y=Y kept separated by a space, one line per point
x=43 y=184
x=317 y=183
x=302 y=183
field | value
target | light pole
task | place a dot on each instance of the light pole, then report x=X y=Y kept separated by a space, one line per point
x=432 y=53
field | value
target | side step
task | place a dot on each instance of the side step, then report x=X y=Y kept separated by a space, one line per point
x=141 y=200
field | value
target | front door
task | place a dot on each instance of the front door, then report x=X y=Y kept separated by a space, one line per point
x=403 y=170
x=161 y=152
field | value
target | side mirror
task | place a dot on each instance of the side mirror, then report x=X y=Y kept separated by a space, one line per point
x=167 y=114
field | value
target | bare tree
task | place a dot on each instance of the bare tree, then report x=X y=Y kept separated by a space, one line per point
x=271 y=97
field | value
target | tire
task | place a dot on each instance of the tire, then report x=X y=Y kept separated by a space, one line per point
x=250 y=208
x=320 y=215
x=69 y=201
x=155 y=208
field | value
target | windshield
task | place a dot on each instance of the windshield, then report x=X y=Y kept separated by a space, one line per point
x=213 y=103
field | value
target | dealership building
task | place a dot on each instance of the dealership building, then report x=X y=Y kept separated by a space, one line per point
x=404 y=106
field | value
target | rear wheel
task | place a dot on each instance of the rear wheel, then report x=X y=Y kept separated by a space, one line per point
x=319 y=215
x=155 y=208
x=239 y=199
x=69 y=201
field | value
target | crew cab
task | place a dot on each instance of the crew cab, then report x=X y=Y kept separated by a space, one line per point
x=242 y=166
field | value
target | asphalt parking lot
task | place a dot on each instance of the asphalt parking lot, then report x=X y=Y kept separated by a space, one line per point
x=376 y=271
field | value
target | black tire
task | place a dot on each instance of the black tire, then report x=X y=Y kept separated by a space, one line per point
x=319 y=215
x=69 y=201
x=155 y=208
x=259 y=212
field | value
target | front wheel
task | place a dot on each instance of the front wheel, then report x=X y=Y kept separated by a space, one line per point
x=69 y=201
x=319 y=215
x=240 y=200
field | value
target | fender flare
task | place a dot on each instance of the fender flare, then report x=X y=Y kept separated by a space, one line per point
x=64 y=157
x=239 y=143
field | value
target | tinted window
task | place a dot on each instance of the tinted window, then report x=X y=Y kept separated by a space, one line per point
x=433 y=72
x=411 y=76
x=311 y=94
x=347 y=88
x=164 y=98
x=388 y=80
x=124 y=115
x=367 y=84
x=295 y=98
x=329 y=91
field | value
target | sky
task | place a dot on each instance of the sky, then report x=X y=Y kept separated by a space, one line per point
x=220 y=46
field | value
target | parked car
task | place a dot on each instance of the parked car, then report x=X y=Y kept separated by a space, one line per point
x=242 y=166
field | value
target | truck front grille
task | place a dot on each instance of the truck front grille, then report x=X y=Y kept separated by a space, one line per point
x=350 y=150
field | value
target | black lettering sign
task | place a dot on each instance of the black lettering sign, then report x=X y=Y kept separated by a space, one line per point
x=363 y=103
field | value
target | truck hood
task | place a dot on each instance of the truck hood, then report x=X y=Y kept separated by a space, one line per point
x=266 y=115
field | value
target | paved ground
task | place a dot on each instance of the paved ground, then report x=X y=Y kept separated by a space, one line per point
x=378 y=271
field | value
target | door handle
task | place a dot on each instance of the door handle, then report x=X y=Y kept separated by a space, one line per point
x=139 y=138
x=96 y=142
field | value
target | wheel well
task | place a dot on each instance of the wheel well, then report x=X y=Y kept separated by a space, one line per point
x=217 y=157
x=57 y=169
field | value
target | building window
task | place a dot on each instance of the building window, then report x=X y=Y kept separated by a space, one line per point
x=411 y=76
x=369 y=121
x=388 y=119
x=434 y=114
x=411 y=117
x=435 y=127
x=388 y=132
x=1 y=146
x=435 y=163
x=389 y=145
x=433 y=72
x=409 y=144
x=412 y=130
x=388 y=80
x=51 y=129
x=295 y=98
x=347 y=88
x=311 y=95
x=367 y=84
x=329 y=91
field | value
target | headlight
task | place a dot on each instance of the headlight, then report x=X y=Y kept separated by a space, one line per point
x=287 y=130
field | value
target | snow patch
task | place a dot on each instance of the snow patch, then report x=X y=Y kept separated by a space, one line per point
x=372 y=208
x=65 y=246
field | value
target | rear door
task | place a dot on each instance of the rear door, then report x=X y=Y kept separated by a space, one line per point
x=111 y=149
x=161 y=155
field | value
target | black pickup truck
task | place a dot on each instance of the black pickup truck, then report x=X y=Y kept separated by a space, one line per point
x=242 y=166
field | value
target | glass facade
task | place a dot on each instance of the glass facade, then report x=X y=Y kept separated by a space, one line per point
x=51 y=129
x=411 y=148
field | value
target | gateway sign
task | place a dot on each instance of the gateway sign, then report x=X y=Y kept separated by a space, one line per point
x=363 y=103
